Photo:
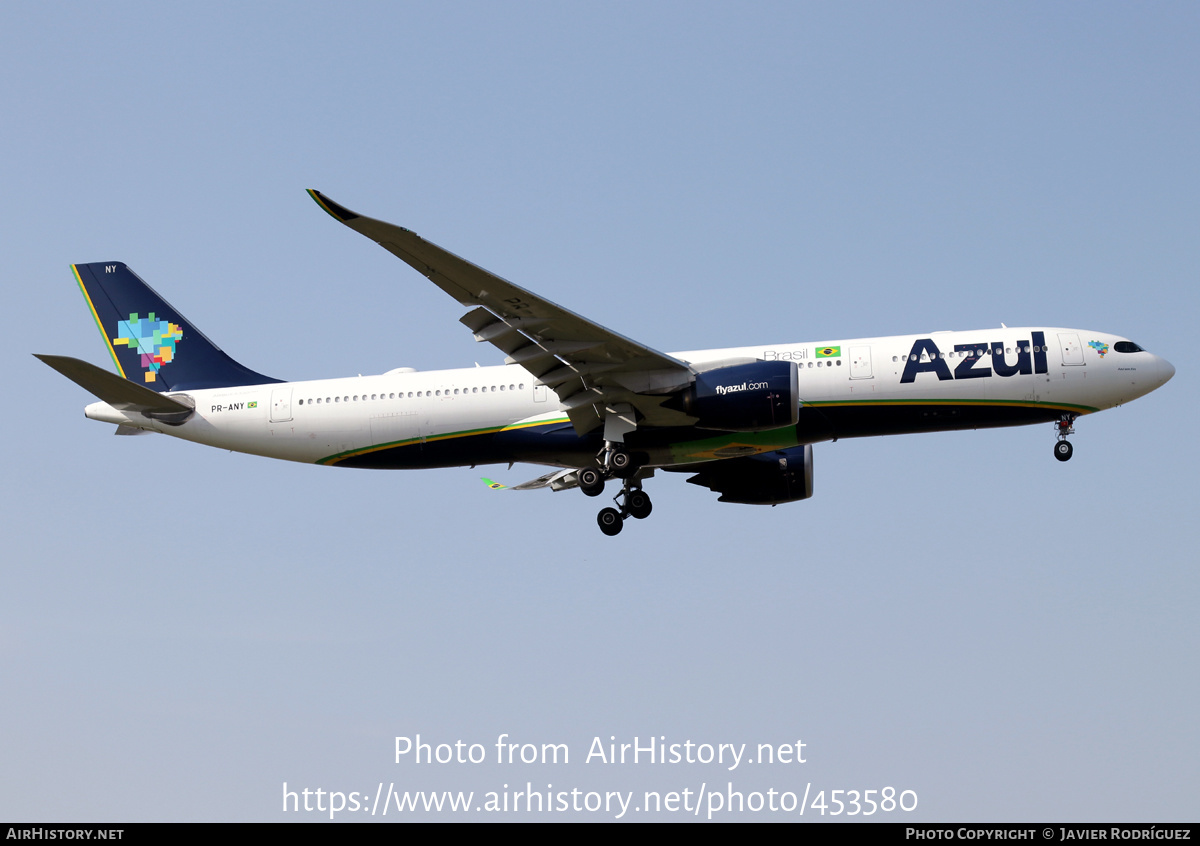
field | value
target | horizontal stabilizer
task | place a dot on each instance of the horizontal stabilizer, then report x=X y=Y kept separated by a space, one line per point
x=120 y=393
x=557 y=480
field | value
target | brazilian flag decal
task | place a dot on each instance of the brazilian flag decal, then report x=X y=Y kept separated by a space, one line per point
x=829 y=352
x=496 y=486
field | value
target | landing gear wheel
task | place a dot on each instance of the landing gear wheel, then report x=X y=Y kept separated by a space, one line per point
x=610 y=521
x=591 y=482
x=1063 y=450
x=621 y=464
x=639 y=505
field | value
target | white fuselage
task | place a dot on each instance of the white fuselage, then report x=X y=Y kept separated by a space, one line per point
x=857 y=387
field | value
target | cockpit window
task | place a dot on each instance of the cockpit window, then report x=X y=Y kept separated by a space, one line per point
x=1127 y=346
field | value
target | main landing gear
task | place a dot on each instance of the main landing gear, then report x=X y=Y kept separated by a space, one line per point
x=1064 y=426
x=615 y=461
x=633 y=501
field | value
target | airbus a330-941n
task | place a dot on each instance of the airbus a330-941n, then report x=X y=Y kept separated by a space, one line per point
x=590 y=403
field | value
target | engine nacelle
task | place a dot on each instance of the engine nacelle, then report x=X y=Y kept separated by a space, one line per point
x=753 y=397
x=769 y=478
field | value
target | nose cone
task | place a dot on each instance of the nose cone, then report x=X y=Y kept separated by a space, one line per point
x=1165 y=371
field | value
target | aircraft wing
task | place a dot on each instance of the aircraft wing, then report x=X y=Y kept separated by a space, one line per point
x=592 y=369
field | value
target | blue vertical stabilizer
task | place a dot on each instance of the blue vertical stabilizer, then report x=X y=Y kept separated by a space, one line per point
x=151 y=343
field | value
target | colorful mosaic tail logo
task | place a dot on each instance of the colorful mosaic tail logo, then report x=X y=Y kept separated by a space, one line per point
x=154 y=340
x=143 y=332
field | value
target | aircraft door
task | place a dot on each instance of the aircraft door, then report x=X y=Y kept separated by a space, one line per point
x=281 y=405
x=1072 y=350
x=860 y=363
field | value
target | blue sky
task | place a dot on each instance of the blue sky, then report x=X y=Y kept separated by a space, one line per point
x=184 y=630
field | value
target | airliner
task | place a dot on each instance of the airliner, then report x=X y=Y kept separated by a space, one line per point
x=590 y=404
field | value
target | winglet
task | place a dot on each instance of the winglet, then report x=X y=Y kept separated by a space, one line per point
x=496 y=486
x=337 y=212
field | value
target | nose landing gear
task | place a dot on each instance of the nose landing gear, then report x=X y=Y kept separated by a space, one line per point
x=1064 y=426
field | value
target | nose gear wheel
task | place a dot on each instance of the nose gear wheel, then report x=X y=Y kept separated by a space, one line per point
x=1064 y=426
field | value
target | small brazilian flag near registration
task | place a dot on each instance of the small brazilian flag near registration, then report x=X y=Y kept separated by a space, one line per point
x=829 y=352
x=251 y=405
